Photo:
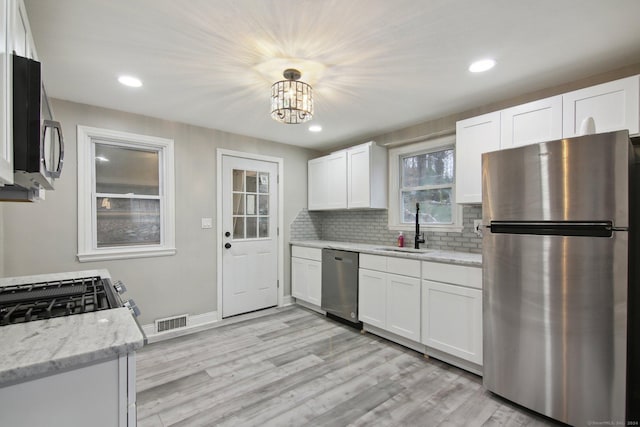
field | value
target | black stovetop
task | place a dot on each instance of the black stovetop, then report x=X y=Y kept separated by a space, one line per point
x=44 y=300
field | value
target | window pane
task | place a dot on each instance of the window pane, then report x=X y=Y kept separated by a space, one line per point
x=263 y=225
x=252 y=229
x=428 y=169
x=263 y=207
x=251 y=204
x=238 y=227
x=435 y=206
x=238 y=204
x=251 y=182
x=238 y=180
x=126 y=170
x=127 y=222
x=263 y=183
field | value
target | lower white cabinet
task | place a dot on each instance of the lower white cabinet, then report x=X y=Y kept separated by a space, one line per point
x=306 y=274
x=452 y=310
x=387 y=300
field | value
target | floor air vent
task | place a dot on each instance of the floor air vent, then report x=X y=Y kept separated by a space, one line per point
x=170 y=323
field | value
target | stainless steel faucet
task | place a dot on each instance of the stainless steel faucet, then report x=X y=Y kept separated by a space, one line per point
x=418 y=239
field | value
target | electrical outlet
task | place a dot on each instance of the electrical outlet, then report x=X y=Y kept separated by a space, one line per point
x=477 y=226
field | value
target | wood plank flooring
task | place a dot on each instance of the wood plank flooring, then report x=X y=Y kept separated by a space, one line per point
x=294 y=367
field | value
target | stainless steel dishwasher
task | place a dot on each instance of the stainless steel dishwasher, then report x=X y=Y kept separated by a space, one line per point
x=340 y=284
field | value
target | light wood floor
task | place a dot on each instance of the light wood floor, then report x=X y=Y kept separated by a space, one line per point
x=295 y=367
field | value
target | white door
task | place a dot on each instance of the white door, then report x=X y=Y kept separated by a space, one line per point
x=249 y=235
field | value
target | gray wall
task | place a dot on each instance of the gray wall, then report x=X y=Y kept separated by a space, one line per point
x=42 y=237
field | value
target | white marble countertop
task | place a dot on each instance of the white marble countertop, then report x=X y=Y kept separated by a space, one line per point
x=44 y=347
x=435 y=255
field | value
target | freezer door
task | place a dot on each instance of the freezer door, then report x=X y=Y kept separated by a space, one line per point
x=555 y=323
x=576 y=179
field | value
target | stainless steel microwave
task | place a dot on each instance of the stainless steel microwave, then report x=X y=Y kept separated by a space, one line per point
x=38 y=143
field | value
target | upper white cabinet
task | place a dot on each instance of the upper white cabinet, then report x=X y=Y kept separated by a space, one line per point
x=474 y=136
x=613 y=106
x=367 y=176
x=530 y=123
x=15 y=35
x=351 y=178
x=327 y=186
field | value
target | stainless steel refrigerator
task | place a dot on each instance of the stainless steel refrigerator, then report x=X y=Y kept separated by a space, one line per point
x=559 y=277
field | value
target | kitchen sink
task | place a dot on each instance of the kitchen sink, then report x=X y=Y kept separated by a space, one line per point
x=404 y=250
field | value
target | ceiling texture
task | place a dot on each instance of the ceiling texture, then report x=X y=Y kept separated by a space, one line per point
x=375 y=65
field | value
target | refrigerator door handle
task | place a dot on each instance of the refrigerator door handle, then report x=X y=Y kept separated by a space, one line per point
x=554 y=228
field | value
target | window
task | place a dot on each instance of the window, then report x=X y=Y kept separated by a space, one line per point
x=250 y=204
x=423 y=174
x=125 y=195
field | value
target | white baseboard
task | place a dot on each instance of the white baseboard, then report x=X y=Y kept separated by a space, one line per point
x=196 y=323
x=287 y=300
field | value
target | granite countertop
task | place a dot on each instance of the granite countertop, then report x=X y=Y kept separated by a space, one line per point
x=44 y=347
x=435 y=255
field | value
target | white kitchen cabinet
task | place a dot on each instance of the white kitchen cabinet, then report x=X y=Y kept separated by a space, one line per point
x=327 y=182
x=306 y=274
x=613 y=106
x=452 y=310
x=531 y=123
x=388 y=300
x=367 y=176
x=351 y=178
x=474 y=136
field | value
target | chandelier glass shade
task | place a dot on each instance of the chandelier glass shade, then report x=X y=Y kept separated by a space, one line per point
x=291 y=99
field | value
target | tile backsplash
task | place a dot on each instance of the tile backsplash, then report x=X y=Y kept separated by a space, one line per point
x=370 y=226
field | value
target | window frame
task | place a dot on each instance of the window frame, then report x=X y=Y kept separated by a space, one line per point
x=395 y=158
x=87 y=137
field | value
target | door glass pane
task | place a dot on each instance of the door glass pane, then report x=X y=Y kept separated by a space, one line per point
x=263 y=205
x=263 y=184
x=252 y=229
x=435 y=206
x=238 y=204
x=122 y=170
x=251 y=204
x=127 y=222
x=238 y=227
x=251 y=182
x=263 y=225
x=238 y=180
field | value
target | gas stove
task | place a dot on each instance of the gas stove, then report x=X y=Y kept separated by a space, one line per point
x=56 y=298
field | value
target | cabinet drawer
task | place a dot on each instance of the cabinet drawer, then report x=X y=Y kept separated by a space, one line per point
x=403 y=266
x=450 y=273
x=307 y=253
x=373 y=262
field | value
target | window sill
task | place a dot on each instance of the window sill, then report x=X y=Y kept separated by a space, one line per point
x=111 y=254
x=449 y=228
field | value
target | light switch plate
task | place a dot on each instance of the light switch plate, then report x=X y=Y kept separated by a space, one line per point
x=207 y=223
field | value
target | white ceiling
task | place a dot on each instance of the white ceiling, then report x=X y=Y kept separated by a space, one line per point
x=375 y=65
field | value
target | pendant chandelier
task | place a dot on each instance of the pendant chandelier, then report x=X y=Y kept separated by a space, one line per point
x=291 y=100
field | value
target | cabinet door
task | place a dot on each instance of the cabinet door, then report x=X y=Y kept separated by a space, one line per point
x=6 y=134
x=403 y=306
x=358 y=177
x=314 y=282
x=298 y=278
x=452 y=320
x=613 y=106
x=372 y=297
x=474 y=136
x=317 y=183
x=531 y=123
x=336 y=181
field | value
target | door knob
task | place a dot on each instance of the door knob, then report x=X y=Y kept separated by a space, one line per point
x=227 y=245
x=227 y=234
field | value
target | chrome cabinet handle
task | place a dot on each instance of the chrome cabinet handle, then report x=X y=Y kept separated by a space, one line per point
x=54 y=126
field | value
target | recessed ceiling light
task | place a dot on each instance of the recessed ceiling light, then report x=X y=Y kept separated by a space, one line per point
x=130 y=81
x=482 y=65
x=315 y=128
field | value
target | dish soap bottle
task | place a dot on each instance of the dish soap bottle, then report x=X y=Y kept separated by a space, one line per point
x=401 y=240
